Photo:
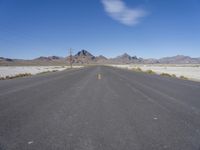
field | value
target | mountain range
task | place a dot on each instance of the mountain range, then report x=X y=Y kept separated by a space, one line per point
x=85 y=57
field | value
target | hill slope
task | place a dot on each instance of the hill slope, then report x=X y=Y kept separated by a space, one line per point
x=85 y=57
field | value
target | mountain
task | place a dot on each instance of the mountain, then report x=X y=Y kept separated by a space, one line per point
x=101 y=59
x=85 y=57
x=84 y=53
x=179 y=59
x=124 y=59
x=6 y=59
x=50 y=58
x=41 y=61
x=150 y=61
x=9 y=60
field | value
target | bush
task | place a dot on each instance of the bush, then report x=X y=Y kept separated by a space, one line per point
x=16 y=76
x=23 y=75
x=55 y=71
x=48 y=71
x=7 y=77
x=2 y=78
x=150 y=72
x=166 y=75
x=183 y=77
x=173 y=75
x=139 y=69
x=44 y=72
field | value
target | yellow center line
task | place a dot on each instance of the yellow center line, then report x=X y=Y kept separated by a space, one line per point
x=99 y=76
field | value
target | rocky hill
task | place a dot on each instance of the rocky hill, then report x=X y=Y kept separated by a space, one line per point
x=179 y=59
x=124 y=59
x=51 y=58
x=85 y=57
x=101 y=59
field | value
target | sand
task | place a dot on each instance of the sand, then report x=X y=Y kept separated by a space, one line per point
x=13 y=71
x=190 y=71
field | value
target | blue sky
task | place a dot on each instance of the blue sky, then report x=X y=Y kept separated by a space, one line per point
x=146 y=28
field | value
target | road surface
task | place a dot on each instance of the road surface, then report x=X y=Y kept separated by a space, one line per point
x=99 y=108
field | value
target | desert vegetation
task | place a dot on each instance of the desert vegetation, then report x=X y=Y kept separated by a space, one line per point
x=182 y=71
x=12 y=72
x=183 y=77
x=16 y=76
x=138 y=69
x=150 y=72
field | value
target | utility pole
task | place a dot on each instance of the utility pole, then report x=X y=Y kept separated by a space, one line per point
x=70 y=57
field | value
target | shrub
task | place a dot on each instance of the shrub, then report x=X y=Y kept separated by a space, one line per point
x=48 y=71
x=166 y=75
x=139 y=69
x=173 y=75
x=55 y=71
x=7 y=77
x=150 y=72
x=183 y=77
x=2 y=78
x=44 y=72
x=16 y=76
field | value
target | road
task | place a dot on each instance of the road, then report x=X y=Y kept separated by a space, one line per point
x=124 y=110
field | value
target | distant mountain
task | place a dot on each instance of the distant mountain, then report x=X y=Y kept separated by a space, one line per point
x=50 y=58
x=6 y=59
x=179 y=59
x=84 y=53
x=85 y=57
x=10 y=62
x=124 y=59
x=150 y=61
x=101 y=59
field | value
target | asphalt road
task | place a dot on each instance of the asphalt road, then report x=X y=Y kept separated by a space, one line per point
x=124 y=110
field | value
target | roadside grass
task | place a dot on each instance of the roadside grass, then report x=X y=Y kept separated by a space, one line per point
x=16 y=76
x=150 y=72
x=183 y=78
x=167 y=75
x=162 y=74
x=24 y=75
x=174 y=76
x=54 y=71
x=45 y=72
x=2 y=78
x=137 y=69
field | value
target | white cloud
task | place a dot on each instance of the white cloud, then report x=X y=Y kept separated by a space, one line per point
x=118 y=10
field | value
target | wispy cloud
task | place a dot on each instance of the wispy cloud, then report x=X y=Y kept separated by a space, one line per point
x=118 y=10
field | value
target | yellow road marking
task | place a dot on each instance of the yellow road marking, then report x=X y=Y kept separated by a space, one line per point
x=99 y=76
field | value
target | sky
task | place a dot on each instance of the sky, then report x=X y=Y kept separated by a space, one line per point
x=145 y=28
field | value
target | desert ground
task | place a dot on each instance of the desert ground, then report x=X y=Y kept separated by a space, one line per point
x=190 y=71
x=33 y=70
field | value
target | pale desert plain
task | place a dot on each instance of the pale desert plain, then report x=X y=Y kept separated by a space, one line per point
x=11 y=71
x=189 y=71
